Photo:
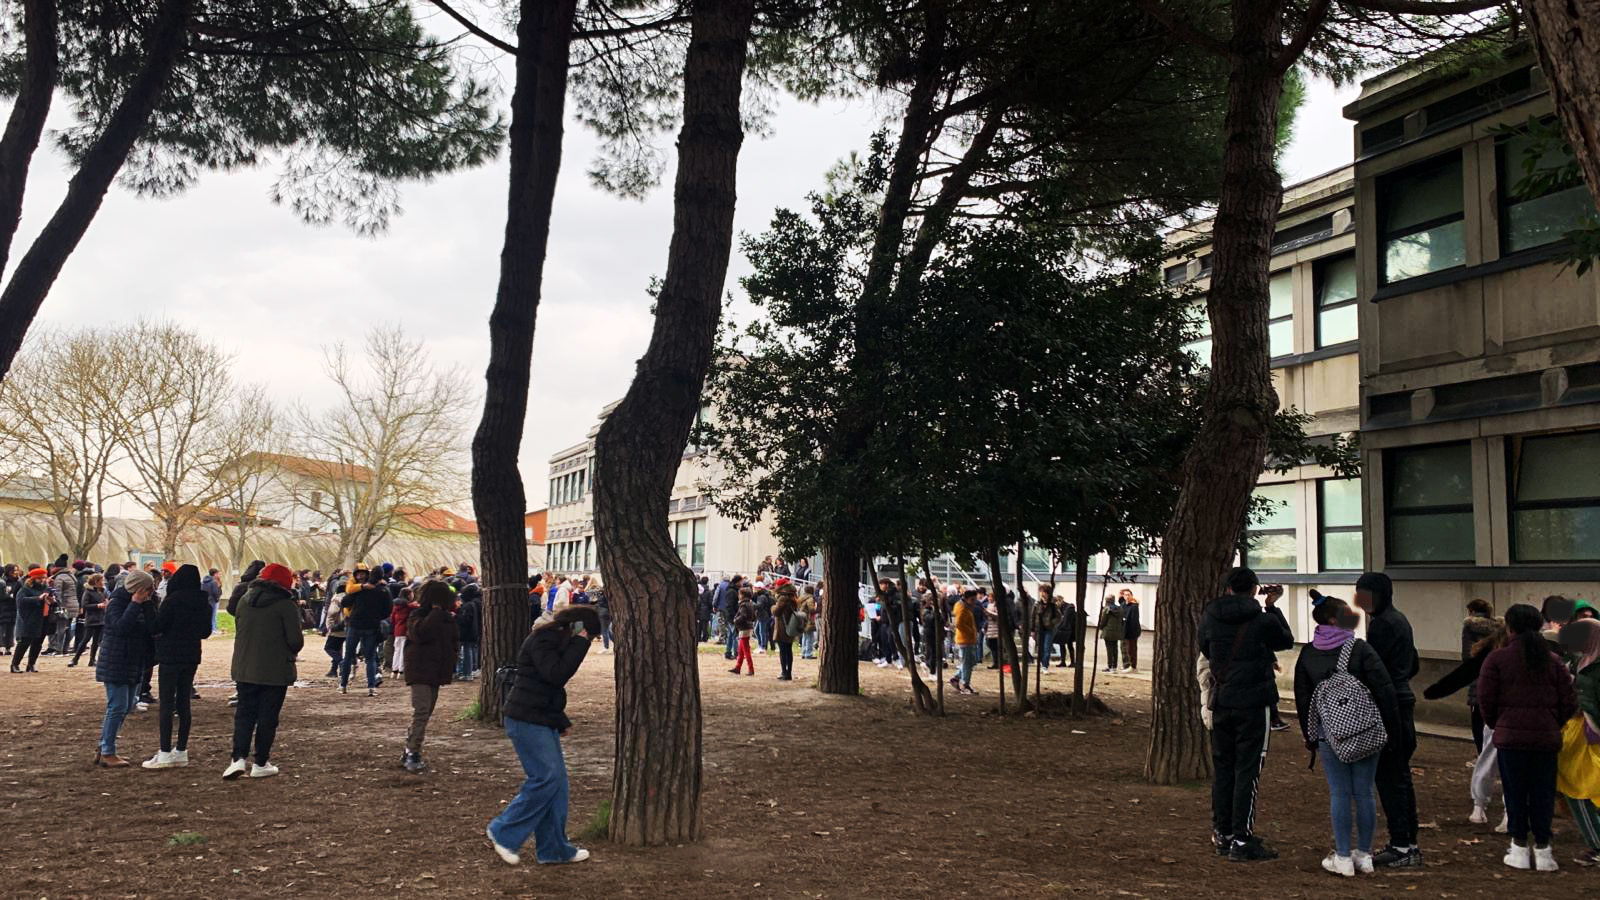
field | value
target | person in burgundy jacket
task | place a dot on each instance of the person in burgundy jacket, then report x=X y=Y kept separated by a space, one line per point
x=1527 y=696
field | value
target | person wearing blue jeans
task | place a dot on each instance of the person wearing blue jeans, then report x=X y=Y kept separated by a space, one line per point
x=535 y=717
x=469 y=660
x=1351 y=801
x=128 y=647
x=365 y=642
x=119 y=699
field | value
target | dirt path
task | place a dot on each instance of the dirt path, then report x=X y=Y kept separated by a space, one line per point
x=806 y=795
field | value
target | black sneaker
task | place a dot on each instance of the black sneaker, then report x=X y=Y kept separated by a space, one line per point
x=1394 y=858
x=1252 y=849
x=1221 y=842
x=1280 y=725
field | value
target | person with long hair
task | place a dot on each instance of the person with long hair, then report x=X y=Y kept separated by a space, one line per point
x=430 y=660
x=535 y=721
x=1580 y=759
x=33 y=609
x=1526 y=696
x=182 y=622
x=94 y=604
x=1351 y=798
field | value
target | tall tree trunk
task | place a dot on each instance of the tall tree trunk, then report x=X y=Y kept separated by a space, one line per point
x=1567 y=35
x=1008 y=633
x=1080 y=618
x=937 y=650
x=839 y=628
x=655 y=789
x=1230 y=449
x=28 y=112
x=1025 y=606
x=544 y=40
x=921 y=697
x=39 y=267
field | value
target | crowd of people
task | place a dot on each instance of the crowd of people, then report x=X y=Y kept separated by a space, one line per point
x=1535 y=682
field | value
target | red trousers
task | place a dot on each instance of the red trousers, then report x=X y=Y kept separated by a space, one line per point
x=744 y=655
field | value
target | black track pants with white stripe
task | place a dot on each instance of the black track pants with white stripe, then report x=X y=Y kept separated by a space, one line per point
x=1238 y=749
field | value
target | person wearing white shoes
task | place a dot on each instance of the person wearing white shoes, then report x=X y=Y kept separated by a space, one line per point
x=535 y=720
x=182 y=622
x=268 y=637
x=1526 y=696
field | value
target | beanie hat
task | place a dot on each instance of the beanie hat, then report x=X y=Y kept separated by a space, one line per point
x=136 y=581
x=170 y=566
x=278 y=575
x=38 y=573
x=61 y=562
x=387 y=568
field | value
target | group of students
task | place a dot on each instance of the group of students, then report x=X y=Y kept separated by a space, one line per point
x=1536 y=676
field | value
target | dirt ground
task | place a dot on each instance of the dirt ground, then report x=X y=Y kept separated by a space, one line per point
x=806 y=795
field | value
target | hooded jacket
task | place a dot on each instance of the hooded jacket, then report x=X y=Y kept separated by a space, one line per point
x=66 y=588
x=430 y=652
x=30 y=612
x=269 y=635
x=1473 y=630
x=1131 y=629
x=1314 y=666
x=1244 y=678
x=1389 y=633
x=251 y=573
x=1526 y=710
x=546 y=661
x=366 y=605
x=126 y=648
x=1111 y=623
x=183 y=621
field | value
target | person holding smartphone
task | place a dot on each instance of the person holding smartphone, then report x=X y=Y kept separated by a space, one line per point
x=536 y=720
x=1239 y=638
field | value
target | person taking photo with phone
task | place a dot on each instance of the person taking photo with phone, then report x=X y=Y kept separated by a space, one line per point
x=1238 y=638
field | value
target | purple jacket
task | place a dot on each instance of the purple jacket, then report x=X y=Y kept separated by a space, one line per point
x=1526 y=711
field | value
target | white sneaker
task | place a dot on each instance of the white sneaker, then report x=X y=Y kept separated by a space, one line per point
x=162 y=760
x=506 y=854
x=1519 y=857
x=1363 y=861
x=1339 y=865
x=1479 y=816
x=1544 y=859
x=1505 y=824
x=578 y=857
x=235 y=769
x=899 y=666
x=180 y=758
x=142 y=707
x=266 y=771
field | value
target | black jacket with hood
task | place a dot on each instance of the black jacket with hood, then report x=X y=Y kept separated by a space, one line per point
x=183 y=621
x=251 y=572
x=1245 y=679
x=1389 y=633
x=546 y=662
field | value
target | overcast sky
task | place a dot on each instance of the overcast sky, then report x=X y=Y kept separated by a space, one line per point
x=223 y=260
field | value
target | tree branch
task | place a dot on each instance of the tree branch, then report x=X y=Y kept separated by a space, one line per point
x=1182 y=30
x=1427 y=7
x=474 y=27
x=28 y=113
x=1316 y=14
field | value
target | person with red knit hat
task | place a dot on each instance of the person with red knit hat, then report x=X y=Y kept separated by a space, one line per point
x=268 y=637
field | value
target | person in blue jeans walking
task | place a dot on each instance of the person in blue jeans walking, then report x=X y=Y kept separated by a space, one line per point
x=1351 y=801
x=536 y=720
x=365 y=607
x=127 y=648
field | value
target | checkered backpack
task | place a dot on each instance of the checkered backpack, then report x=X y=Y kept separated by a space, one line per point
x=1344 y=714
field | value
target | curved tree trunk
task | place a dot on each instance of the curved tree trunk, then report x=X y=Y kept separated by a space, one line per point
x=544 y=38
x=1230 y=449
x=839 y=629
x=1567 y=34
x=37 y=270
x=655 y=789
x=28 y=112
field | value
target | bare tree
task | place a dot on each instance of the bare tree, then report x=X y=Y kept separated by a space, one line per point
x=392 y=438
x=249 y=478
x=61 y=410
x=178 y=451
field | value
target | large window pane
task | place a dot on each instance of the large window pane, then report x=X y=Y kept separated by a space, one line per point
x=1421 y=252
x=698 y=551
x=1336 y=280
x=1338 y=325
x=1556 y=498
x=1536 y=219
x=1436 y=538
x=1278 y=511
x=1281 y=291
x=1429 y=505
x=681 y=538
x=1341 y=550
x=1340 y=510
x=1558 y=535
x=1420 y=218
x=1271 y=553
x=1280 y=337
x=1431 y=476
x=1341 y=502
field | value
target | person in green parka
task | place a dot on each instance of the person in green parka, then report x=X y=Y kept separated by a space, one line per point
x=268 y=639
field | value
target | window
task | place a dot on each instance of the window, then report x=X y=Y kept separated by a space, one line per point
x=1137 y=562
x=1429 y=504
x=1339 y=508
x=1270 y=541
x=1201 y=323
x=697 y=544
x=588 y=552
x=1551 y=208
x=1280 y=314
x=1335 y=279
x=681 y=537
x=581 y=475
x=1035 y=559
x=1176 y=274
x=1555 y=498
x=1420 y=219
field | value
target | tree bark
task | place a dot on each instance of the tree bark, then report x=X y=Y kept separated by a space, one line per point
x=28 y=113
x=1081 y=637
x=839 y=630
x=538 y=102
x=921 y=697
x=938 y=632
x=39 y=267
x=1567 y=35
x=1228 y=453
x=655 y=789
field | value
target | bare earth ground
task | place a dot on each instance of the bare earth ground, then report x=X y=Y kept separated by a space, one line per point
x=805 y=795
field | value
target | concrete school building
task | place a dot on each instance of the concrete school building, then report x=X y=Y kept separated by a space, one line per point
x=1421 y=302
x=709 y=543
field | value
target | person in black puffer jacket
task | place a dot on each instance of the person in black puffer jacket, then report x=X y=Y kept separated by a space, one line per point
x=251 y=573
x=1389 y=633
x=536 y=719
x=366 y=606
x=126 y=652
x=182 y=622
x=94 y=603
x=1239 y=639
x=469 y=629
x=10 y=583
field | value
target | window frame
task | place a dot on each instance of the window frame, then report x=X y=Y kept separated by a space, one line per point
x=1389 y=512
x=1514 y=453
x=1293 y=532
x=1287 y=274
x=1386 y=236
x=1505 y=198
x=1324 y=529
x=1318 y=268
x=697 y=549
